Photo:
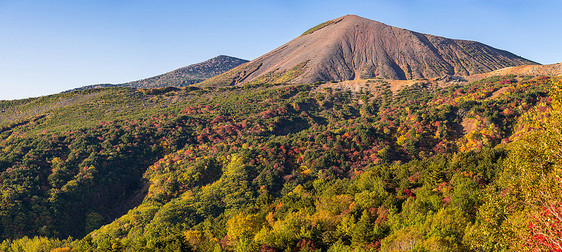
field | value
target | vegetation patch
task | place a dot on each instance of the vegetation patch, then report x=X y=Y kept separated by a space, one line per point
x=320 y=26
x=276 y=77
x=286 y=167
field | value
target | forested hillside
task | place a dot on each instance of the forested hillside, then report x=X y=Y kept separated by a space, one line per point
x=180 y=77
x=276 y=167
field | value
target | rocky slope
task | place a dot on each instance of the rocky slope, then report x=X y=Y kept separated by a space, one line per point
x=351 y=48
x=182 y=76
x=190 y=74
x=529 y=70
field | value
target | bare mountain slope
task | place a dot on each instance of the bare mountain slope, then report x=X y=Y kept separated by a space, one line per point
x=530 y=70
x=351 y=47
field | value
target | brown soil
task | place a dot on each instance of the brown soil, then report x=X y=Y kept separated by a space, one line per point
x=353 y=48
x=530 y=70
x=498 y=93
x=394 y=85
x=468 y=125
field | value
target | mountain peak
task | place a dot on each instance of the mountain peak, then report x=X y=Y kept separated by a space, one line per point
x=190 y=74
x=351 y=17
x=180 y=77
x=352 y=47
x=348 y=20
x=225 y=57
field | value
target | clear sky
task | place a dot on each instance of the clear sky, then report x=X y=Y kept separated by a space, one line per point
x=50 y=46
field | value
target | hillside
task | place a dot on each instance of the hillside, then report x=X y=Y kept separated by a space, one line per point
x=190 y=74
x=263 y=167
x=529 y=70
x=181 y=77
x=351 y=47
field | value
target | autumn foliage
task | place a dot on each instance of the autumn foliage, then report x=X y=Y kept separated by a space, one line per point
x=285 y=167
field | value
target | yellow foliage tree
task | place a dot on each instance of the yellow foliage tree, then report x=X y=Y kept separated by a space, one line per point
x=521 y=212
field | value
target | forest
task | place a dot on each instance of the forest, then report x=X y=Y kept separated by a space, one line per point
x=285 y=167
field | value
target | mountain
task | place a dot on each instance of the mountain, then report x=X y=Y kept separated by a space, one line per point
x=435 y=164
x=352 y=47
x=190 y=74
x=182 y=76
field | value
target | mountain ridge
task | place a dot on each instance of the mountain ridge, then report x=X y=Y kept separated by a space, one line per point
x=180 y=77
x=190 y=74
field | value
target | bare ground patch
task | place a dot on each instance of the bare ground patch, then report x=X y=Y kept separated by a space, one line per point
x=498 y=93
x=468 y=125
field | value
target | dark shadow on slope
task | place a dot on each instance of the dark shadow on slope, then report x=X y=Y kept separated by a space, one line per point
x=291 y=125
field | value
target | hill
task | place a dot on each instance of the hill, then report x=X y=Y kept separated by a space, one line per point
x=263 y=167
x=529 y=70
x=190 y=74
x=351 y=47
x=181 y=77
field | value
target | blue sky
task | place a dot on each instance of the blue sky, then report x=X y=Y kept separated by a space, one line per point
x=51 y=46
